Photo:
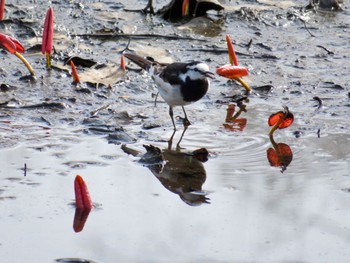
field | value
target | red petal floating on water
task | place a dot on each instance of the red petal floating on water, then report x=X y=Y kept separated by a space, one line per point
x=46 y=46
x=231 y=51
x=82 y=196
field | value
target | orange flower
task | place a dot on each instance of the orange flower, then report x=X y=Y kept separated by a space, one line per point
x=232 y=72
x=74 y=72
x=280 y=120
x=122 y=63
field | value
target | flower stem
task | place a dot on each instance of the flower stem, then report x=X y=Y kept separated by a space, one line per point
x=48 y=60
x=244 y=84
x=26 y=63
x=276 y=126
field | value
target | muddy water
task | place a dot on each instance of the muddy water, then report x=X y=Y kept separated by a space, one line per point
x=239 y=207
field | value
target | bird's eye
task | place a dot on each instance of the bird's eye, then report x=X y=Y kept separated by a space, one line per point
x=195 y=69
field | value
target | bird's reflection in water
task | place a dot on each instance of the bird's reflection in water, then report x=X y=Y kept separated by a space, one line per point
x=280 y=155
x=179 y=172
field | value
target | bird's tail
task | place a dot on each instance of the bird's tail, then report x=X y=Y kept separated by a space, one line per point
x=140 y=61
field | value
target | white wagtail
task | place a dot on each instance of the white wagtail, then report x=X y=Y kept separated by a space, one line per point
x=179 y=84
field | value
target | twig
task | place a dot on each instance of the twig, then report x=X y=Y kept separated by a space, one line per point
x=138 y=36
x=327 y=50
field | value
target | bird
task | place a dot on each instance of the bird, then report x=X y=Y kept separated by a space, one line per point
x=178 y=83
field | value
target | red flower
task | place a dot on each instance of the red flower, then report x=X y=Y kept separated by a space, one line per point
x=185 y=7
x=232 y=72
x=2 y=9
x=82 y=196
x=11 y=44
x=283 y=118
x=15 y=47
x=280 y=120
x=46 y=46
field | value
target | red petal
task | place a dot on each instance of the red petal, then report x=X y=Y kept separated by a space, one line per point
x=231 y=51
x=232 y=72
x=274 y=118
x=19 y=46
x=47 y=40
x=288 y=120
x=82 y=196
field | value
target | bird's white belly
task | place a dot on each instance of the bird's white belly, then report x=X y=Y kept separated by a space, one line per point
x=170 y=93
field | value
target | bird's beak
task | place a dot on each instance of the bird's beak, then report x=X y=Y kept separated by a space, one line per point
x=209 y=74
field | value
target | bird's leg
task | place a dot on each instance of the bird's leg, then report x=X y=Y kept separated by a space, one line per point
x=150 y=7
x=182 y=135
x=155 y=100
x=171 y=113
x=170 y=142
x=185 y=120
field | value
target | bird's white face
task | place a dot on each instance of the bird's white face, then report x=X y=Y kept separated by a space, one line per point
x=198 y=70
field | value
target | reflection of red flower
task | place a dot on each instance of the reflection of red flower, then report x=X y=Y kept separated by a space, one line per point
x=236 y=125
x=80 y=218
x=280 y=156
x=232 y=122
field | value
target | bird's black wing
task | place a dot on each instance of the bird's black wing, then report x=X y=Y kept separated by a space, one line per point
x=171 y=73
